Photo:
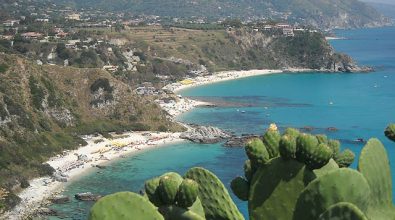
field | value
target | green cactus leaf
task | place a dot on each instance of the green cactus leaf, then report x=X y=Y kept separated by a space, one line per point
x=177 y=213
x=345 y=158
x=216 y=201
x=322 y=139
x=390 y=132
x=151 y=191
x=168 y=188
x=331 y=165
x=339 y=185
x=292 y=132
x=240 y=188
x=374 y=165
x=311 y=153
x=124 y=206
x=187 y=193
x=256 y=152
x=335 y=146
x=271 y=139
x=276 y=187
x=248 y=171
x=343 y=211
x=287 y=147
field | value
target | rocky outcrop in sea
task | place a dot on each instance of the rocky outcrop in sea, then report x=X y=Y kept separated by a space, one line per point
x=205 y=134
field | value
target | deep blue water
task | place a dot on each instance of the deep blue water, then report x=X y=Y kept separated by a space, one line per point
x=358 y=105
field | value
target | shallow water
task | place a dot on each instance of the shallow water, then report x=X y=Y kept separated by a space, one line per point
x=358 y=105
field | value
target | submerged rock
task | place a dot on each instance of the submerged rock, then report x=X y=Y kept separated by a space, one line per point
x=60 y=199
x=87 y=196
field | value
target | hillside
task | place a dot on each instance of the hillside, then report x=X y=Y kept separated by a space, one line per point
x=43 y=109
x=384 y=8
x=320 y=13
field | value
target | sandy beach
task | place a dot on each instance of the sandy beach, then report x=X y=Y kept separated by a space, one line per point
x=100 y=150
x=72 y=164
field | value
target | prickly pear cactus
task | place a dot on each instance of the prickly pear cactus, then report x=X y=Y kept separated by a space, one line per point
x=339 y=185
x=390 y=132
x=292 y=132
x=124 y=206
x=187 y=193
x=374 y=165
x=345 y=158
x=331 y=165
x=240 y=188
x=177 y=213
x=215 y=199
x=275 y=189
x=152 y=192
x=311 y=152
x=248 y=171
x=343 y=211
x=271 y=139
x=168 y=188
x=287 y=147
x=257 y=152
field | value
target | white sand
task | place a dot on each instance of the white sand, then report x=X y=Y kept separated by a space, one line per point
x=42 y=189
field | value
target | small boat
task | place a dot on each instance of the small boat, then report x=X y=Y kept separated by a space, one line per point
x=243 y=112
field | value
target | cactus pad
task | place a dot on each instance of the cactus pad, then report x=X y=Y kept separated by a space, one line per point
x=322 y=139
x=168 y=188
x=177 y=213
x=310 y=152
x=124 y=206
x=390 y=132
x=343 y=211
x=256 y=151
x=271 y=140
x=339 y=185
x=152 y=192
x=240 y=188
x=187 y=193
x=345 y=158
x=276 y=187
x=374 y=165
x=248 y=171
x=287 y=147
x=215 y=199
x=292 y=132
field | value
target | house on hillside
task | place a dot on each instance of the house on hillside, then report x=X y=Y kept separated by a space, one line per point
x=10 y=23
x=31 y=35
x=73 y=16
x=288 y=32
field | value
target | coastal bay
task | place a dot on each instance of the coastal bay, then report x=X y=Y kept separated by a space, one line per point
x=362 y=104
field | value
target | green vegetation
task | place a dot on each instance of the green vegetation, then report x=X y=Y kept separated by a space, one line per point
x=43 y=109
x=304 y=182
x=3 y=68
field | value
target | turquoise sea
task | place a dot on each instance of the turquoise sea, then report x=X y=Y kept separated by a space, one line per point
x=358 y=105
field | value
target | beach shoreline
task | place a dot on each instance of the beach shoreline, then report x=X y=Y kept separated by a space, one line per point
x=70 y=166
